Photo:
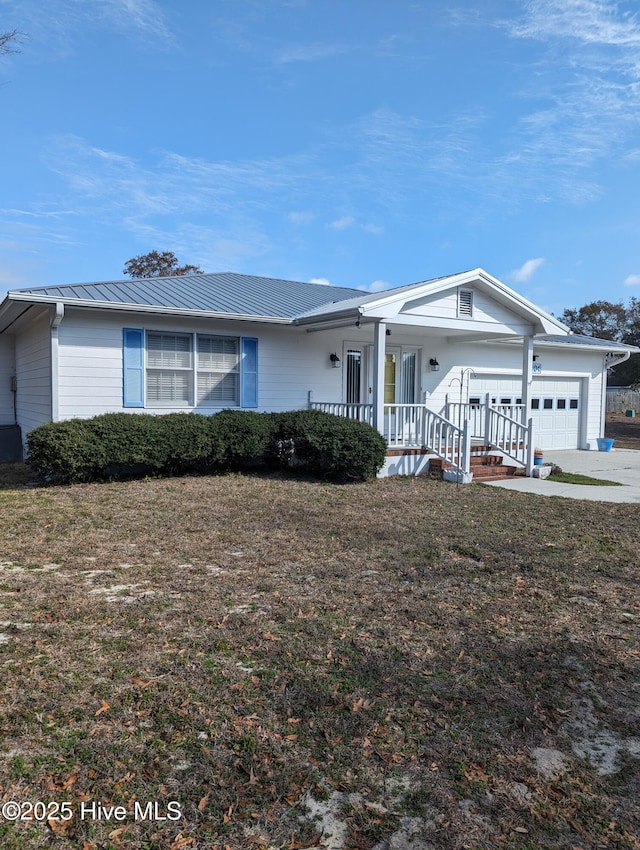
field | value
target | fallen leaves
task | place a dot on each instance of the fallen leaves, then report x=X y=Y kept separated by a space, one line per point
x=104 y=707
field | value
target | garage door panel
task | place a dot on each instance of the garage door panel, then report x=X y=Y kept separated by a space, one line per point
x=556 y=425
x=557 y=422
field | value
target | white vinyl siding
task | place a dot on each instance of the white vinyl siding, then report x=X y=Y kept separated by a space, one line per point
x=7 y=371
x=218 y=376
x=169 y=370
x=33 y=374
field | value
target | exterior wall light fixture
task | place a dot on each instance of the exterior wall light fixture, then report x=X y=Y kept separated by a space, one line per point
x=435 y=366
x=335 y=360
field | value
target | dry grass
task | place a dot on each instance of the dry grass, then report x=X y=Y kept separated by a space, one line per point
x=251 y=647
x=624 y=429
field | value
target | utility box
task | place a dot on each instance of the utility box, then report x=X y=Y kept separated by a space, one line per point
x=10 y=444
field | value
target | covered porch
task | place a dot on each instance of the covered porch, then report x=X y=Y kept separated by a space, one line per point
x=449 y=366
x=453 y=436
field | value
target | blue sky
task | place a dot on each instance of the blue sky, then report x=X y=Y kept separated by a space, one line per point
x=368 y=143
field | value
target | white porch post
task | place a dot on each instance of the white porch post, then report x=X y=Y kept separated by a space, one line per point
x=56 y=319
x=379 y=343
x=527 y=379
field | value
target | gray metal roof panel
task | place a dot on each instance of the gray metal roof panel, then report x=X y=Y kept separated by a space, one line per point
x=228 y=292
x=363 y=298
x=580 y=339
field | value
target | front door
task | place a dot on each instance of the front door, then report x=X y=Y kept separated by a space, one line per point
x=401 y=376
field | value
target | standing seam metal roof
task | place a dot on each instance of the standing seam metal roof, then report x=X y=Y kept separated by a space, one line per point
x=228 y=292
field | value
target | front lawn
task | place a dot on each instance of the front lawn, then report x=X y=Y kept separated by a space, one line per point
x=456 y=667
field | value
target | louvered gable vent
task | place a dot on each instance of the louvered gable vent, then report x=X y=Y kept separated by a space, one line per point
x=465 y=303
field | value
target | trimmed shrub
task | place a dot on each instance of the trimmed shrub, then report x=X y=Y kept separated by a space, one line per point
x=191 y=443
x=241 y=439
x=126 y=445
x=134 y=444
x=328 y=446
x=67 y=451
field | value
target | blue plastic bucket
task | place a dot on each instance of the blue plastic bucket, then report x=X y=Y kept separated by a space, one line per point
x=604 y=444
x=537 y=461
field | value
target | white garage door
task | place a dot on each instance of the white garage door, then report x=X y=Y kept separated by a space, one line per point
x=555 y=409
x=555 y=406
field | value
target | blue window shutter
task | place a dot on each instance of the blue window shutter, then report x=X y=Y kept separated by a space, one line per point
x=133 y=367
x=249 y=372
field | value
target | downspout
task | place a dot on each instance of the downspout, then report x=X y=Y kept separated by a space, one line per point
x=56 y=319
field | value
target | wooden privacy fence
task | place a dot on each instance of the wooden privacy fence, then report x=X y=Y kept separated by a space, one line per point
x=620 y=400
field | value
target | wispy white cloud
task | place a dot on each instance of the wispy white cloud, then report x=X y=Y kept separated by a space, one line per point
x=526 y=270
x=343 y=223
x=213 y=247
x=301 y=217
x=309 y=52
x=376 y=286
x=375 y=229
x=632 y=280
x=588 y=21
x=588 y=73
x=60 y=23
x=145 y=16
x=323 y=281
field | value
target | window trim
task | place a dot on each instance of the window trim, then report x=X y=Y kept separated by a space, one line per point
x=136 y=370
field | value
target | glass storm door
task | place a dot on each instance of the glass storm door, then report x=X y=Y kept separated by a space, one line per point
x=355 y=375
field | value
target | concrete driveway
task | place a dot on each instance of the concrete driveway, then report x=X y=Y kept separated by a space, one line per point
x=622 y=465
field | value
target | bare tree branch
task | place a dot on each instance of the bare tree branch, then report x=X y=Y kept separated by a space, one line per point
x=8 y=41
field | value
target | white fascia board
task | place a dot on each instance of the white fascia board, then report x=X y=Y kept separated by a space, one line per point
x=318 y=321
x=393 y=300
x=148 y=309
x=548 y=322
x=545 y=343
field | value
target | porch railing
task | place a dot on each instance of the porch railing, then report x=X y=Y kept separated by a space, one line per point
x=414 y=425
x=511 y=436
x=404 y=424
x=476 y=414
x=360 y=412
x=448 y=441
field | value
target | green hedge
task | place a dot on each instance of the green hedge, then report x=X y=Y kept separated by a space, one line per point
x=125 y=445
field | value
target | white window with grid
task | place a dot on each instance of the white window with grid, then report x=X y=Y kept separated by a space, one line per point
x=169 y=370
x=218 y=371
